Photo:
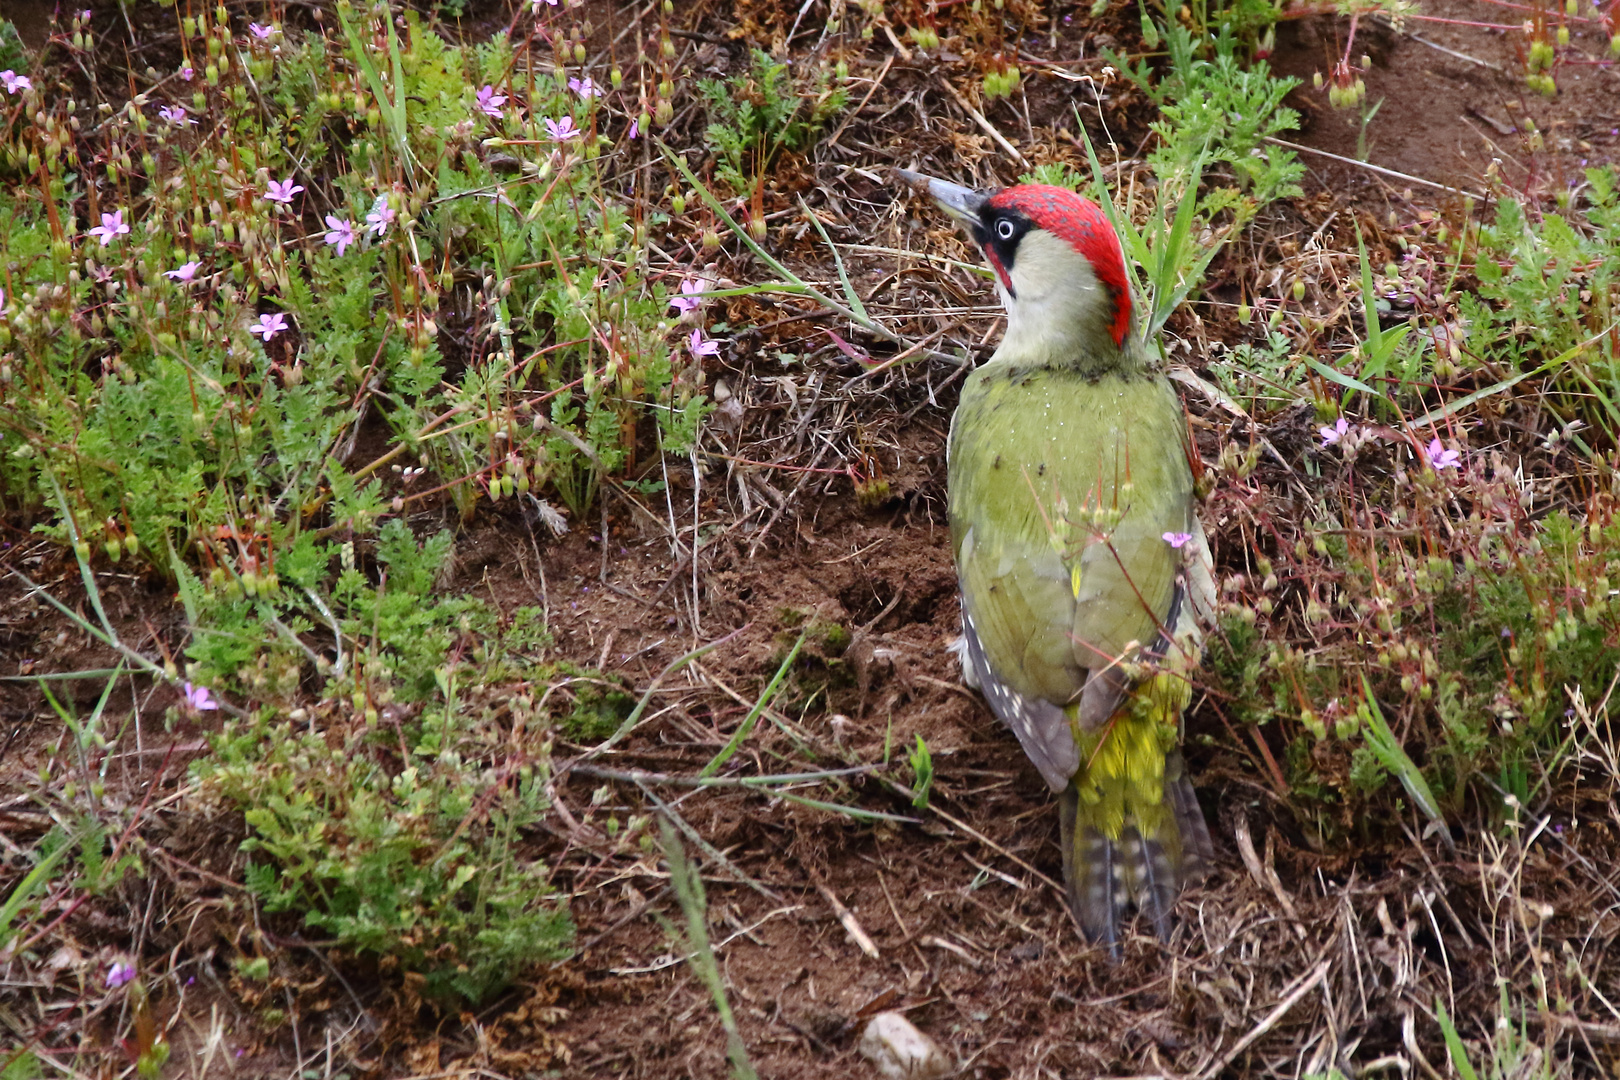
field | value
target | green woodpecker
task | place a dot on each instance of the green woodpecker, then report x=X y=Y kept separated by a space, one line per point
x=1085 y=575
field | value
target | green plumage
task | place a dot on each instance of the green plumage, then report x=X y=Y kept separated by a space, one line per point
x=1062 y=488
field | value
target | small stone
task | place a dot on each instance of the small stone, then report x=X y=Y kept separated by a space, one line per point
x=901 y=1052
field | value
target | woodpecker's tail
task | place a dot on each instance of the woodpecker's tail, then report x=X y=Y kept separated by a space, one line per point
x=1142 y=857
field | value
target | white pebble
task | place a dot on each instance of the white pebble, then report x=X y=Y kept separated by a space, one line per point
x=901 y=1052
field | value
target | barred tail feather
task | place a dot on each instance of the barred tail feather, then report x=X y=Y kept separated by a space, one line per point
x=1197 y=849
x=1103 y=876
x=1090 y=874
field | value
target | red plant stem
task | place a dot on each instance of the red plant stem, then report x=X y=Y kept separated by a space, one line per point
x=1538 y=11
x=1465 y=22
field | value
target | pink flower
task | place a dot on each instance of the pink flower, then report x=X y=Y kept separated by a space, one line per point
x=1441 y=458
x=687 y=301
x=15 y=83
x=263 y=33
x=562 y=130
x=341 y=234
x=282 y=191
x=701 y=347
x=111 y=225
x=1177 y=539
x=489 y=102
x=1331 y=435
x=120 y=974
x=188 y=73
x=186 y=272
x=585 y=88
x=176 y=115
x=198 y=698
x=535 y=4
x=635 y=129
x=269 y=326
x=380 y=217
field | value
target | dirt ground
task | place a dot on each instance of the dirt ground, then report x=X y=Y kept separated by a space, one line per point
x=1289 y=961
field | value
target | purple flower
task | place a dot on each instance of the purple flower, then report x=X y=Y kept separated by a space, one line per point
x=341 y=233
x=1441 y=458
x=701 y=347
x=1331 y=435
x=269 y=326
x=282 y=191
x=186 y=272
x=176 y=115
x=635 y=129
x=535 y=4
x=197 y=697
x=585 y=88
x=120 y=974
x=263 y=33
x=15 y=82
x=489 y=102
x=380 y=217
x=187 y=73
x=1177 y=539
x=111 y=225
x=562 y=130
x=687 y=301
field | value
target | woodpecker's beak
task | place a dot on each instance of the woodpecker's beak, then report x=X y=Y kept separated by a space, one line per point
x=961 y=203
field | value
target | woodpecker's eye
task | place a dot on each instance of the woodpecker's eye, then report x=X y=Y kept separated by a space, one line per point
x=1005 y=229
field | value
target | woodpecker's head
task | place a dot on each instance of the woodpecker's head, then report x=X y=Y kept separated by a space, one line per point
x=1060 y=272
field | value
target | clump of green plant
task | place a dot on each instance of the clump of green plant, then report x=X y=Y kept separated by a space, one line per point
x=1214 y=109
x=1548 y=299
x=1469 y=630
x=756 y=115
x=260 y=255
x=392 y=813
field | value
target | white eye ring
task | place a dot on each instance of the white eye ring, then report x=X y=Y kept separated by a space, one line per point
x=1004 y=229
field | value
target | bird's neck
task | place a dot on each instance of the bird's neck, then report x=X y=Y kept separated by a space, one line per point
x=1079 y=348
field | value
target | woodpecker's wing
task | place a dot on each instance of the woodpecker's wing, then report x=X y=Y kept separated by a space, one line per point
x=1061 y=491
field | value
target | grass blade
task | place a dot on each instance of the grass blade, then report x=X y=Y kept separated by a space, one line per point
x=747 y=726
x=1335 y=375
x=850 y=294
x=688 y=887
x=1381 y=740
